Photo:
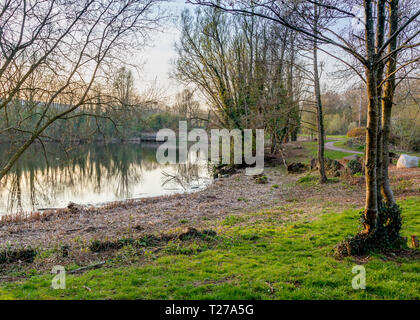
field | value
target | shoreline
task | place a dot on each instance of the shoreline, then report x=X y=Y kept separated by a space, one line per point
x=295 y=197
x=100 y=204
x=236 y=193
x=76 y=229
x=225 y=196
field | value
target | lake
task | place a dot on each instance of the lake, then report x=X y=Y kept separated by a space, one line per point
x=94 y=174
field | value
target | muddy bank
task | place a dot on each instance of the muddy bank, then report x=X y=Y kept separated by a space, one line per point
x=237 y=193
x=133 y=217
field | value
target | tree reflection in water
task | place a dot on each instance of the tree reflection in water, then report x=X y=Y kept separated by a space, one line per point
x=186 y=176
x=91 y=174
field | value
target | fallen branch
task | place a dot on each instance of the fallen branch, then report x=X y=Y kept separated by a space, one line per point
x=92 y=266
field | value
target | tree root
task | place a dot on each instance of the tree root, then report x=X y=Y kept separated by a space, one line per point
x=384 y=237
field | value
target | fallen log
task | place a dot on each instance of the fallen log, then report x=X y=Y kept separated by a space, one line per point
x=92 y=266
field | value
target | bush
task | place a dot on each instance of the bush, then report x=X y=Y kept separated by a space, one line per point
x=261 y=180
x=355 y=166
x=386 y=236
x=10 y=255
x=357 y=132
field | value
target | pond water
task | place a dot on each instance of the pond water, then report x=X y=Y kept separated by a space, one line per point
x=94 y=174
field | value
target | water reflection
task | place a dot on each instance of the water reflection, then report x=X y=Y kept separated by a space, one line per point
x=187 y=175
x=93 y=174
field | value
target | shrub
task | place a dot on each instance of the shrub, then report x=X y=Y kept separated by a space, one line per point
x=261 y=180
x=355 y=166
x=386 y=235
x=357 y=132
x=9 y=255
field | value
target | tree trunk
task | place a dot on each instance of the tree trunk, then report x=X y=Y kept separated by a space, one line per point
x=361 y=107
x=380 y=35
x=320 y=120
x=387 y=103
x=294 y=112
x=371 y=206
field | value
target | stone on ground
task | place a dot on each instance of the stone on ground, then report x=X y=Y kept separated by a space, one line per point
x=406 y=161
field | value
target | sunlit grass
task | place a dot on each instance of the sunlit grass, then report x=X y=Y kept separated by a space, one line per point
x=336 y=155
x=343 y=144
x=255 y=256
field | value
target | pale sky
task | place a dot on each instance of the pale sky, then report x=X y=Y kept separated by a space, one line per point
x=157 y=58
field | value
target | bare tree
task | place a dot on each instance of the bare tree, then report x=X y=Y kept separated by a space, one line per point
x=369 y=48
x=123 y=86
x=187 y=106
x=72 y=43
x=245 y=71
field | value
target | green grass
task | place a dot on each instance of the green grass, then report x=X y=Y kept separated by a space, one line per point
x=343 y=144
x=308 y=180
x=255 y=256
x=330 y=136
x=312 y=147
x=311 y=181
x=310 y=152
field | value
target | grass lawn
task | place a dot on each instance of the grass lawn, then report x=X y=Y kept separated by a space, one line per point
x=312 y=147
x=328 y=136
x=254 y=256
x=343 y=144
x=310 y=151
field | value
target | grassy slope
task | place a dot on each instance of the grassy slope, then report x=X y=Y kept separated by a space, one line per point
x=328 y=136
x=312 y=148
x=343 y=144
x=255 y=256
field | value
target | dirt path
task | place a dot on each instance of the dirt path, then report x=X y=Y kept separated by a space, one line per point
x=330 y=146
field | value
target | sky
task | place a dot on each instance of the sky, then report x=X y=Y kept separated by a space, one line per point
x=157 y=58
